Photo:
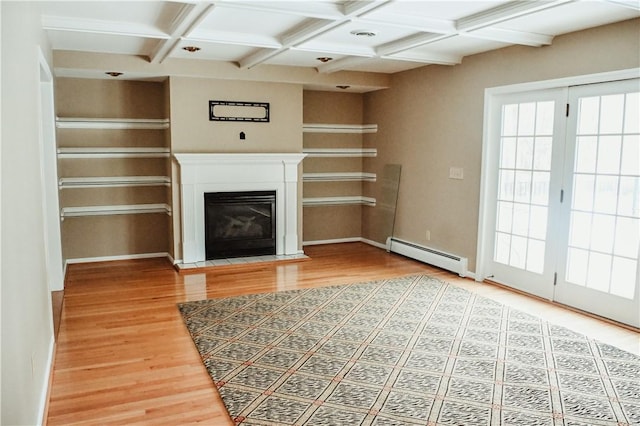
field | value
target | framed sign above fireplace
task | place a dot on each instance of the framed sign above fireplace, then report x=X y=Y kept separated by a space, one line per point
x=239 y=111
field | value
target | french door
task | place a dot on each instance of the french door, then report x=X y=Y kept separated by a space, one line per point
x=598 y=268
x=563 y=181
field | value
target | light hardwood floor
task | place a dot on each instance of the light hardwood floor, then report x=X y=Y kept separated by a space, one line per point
x=124 y=356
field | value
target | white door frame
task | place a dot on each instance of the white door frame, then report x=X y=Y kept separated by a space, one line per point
x=49 y=178
x=489 y=148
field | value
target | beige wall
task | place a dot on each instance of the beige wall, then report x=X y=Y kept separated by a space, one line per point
x=191 y=130
x=332 y=107
x=82 y=97
x=117 y=235
x=27 y=330
x=431 y=119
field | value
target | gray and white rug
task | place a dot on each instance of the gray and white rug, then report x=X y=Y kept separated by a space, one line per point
x=405 y=351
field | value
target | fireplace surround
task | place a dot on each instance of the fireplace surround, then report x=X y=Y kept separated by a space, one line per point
x=204 y=173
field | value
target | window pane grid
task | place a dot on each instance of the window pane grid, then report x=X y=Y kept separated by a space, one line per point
x=523 y=185
x=605 y=209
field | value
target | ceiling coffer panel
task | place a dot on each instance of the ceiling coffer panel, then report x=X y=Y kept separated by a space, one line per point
x=382 y=36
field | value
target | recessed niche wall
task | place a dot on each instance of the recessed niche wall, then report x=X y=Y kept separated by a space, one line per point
x=333 y=171
x=113 y=168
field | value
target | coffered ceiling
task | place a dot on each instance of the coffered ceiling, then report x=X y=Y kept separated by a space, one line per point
x=384 y=36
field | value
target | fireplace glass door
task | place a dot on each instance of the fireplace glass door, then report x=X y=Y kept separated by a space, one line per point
x=240 y=224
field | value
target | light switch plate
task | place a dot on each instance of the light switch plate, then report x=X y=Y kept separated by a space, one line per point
x=456 y=173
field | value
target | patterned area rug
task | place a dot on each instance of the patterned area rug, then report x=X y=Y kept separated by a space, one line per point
x=405 y=351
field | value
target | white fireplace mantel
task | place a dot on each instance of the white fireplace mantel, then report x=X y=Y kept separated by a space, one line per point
x=202 y=173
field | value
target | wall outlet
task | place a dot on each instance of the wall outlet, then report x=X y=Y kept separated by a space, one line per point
x=428 y=235
x=456 y=173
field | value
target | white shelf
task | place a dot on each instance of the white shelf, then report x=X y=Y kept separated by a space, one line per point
x=340 y=152
x=337 y=153
x=104 y=152
x=337 y=201
x=338 y=177
x=114 y=210
x=339 y=128
x=113 y=181
x=112 y=123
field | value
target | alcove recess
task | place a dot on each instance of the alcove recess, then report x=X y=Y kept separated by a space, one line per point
x=335 y=179
x=113 y=168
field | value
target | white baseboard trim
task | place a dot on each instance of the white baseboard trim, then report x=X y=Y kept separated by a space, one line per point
x=374 y=243
x=121 y=257
x=334 y=241
x=345 y=240
x=46 y=382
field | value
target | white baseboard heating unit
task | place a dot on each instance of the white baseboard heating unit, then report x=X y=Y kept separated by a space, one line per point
x=438 y=258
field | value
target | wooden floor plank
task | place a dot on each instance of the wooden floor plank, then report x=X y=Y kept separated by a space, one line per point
x=124 y=356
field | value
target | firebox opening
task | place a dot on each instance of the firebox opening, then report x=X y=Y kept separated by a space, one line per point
x=240 y=224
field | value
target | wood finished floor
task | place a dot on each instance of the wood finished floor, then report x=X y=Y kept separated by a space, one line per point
x=124 y=356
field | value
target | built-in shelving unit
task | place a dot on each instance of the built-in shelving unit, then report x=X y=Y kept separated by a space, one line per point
x=114 y=210
x=339 y=128
x=339 y=177
x=340 y=152
x=338 y=201
x=114 y=167
x=111 y=123
x=112 y=181
x=112 y=152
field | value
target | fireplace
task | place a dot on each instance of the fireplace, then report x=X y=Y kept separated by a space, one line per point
x=205 y=173
x=240 y=224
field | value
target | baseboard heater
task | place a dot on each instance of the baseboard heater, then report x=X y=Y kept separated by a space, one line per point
x=438 y=258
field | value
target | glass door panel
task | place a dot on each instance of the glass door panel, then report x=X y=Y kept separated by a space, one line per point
x=599 y=272
x=524 y=182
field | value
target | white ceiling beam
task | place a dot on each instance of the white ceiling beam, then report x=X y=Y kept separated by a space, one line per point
x=318 y=10
x=355 y=8
x=308 y=31
x=338 y=50
x=258 y=57
x=411 y=42
x=511 y=37
x=629 y=4
x=239 y=39
x=481 y=25
x=426 y=58
x=416 y=23
x=505 y=12
x=95 y=26
x=340 y=64
x=189 y=17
